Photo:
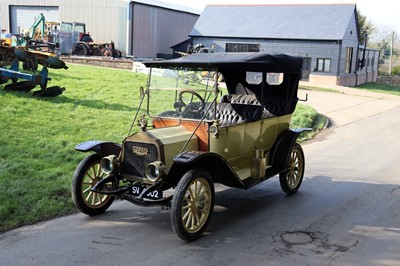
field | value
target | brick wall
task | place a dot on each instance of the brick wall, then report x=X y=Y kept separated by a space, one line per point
x=112 y=63
x=389 y=80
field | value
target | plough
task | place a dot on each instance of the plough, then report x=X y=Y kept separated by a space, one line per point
x=10 y=58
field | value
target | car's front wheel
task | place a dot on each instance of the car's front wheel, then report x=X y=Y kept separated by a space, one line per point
x=192 y=204
x=292 y=177
x=87 y=175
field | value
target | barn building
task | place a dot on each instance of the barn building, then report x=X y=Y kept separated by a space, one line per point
x=141 y=28
x=326 y=36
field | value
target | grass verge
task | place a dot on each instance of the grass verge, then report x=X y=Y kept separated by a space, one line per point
x=380 y=88
x=307 y=117
x=311 y=88
x=38 y=135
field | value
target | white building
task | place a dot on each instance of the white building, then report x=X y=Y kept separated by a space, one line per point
x=142 y=28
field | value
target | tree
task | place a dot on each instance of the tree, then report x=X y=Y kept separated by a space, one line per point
x=381 y=40
x=365 y=26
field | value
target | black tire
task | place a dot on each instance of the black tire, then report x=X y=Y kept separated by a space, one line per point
x=291 y=178
x=97 y=52
x=118 y=54
x=79 y=49
x=86 y=175
x=108 y=52
x=192 y=204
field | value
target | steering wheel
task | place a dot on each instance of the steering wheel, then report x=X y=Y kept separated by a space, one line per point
x=194 y=107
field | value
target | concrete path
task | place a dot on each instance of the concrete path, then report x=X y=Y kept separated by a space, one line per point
x=349 y=104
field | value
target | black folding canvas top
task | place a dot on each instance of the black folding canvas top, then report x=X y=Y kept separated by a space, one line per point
x=238 y=61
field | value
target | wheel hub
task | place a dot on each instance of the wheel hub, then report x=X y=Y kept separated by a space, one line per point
x=195 y=205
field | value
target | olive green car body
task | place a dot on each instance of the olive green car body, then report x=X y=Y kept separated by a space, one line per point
x=238 y=138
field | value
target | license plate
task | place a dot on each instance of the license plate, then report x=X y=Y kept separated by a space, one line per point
x=155 y=194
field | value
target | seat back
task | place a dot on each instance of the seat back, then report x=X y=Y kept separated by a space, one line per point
x=233 y=114
x=249 y=100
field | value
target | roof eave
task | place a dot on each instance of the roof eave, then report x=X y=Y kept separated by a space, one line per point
x=267 y=38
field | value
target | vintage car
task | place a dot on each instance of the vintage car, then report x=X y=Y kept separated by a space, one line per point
x=194 y=131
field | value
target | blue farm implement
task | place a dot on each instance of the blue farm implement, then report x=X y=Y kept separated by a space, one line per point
x=10 y=59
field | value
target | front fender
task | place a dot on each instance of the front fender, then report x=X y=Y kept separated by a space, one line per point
x=102 y=148
x=280 y=151
x=211 y=162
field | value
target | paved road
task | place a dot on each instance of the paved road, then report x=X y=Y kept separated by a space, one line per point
x=347 y=211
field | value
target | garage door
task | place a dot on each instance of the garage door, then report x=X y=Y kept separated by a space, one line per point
x=24 y=16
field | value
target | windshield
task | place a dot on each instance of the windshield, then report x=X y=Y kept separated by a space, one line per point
x=80 y=28
x=181 y=93
x=66 y=26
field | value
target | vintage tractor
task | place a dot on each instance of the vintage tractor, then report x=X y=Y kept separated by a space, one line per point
x=73 y=39
x=86 y=46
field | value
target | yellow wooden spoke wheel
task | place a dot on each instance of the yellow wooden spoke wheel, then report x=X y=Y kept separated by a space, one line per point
x=87 y=175
x=192 y=204
x=292 y=177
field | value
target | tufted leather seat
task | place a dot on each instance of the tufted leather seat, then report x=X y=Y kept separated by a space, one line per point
x=250 y=99
x=232 y=114
x=247 y=99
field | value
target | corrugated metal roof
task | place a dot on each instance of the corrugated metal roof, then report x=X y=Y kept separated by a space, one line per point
x=306 y=22
x=167 y=6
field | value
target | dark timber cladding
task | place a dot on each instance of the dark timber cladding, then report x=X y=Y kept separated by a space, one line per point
x=155 y=28
x=326 y=36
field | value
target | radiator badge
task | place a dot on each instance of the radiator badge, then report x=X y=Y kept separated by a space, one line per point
x=140 y=151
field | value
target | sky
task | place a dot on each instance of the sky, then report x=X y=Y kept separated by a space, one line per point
x=382 y=13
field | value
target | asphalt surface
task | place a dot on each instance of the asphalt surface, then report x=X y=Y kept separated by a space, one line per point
x=347 y=211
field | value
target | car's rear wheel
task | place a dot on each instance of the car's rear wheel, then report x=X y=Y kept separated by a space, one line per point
x=86 y=176
x=292 y=177
x=192 y=204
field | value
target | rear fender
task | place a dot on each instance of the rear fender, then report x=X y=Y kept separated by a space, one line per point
x=213 y=163
x=102 y=148
x=280 y=152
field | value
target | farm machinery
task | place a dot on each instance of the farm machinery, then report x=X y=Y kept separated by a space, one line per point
x=10 y=58
x=73 y=39
x=32 y=50
x=107 y=49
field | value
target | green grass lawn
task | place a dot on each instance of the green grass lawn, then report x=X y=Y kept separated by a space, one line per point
x=375 y=87
x=380 y=88
x=38 y=135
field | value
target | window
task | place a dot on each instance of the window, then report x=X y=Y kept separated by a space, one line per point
x=254 y=78
x=242 y=47
x=80 y=28
x=349 y=59
x=274 y=78
x=323 y=64
x=65 y=26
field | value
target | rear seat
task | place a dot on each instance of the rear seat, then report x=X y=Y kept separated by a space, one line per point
x=233 y=114
x=238 y=109
x=247 y=99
